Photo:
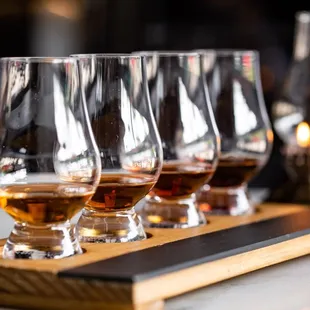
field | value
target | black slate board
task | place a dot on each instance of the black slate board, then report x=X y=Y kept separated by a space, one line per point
x=174 y=256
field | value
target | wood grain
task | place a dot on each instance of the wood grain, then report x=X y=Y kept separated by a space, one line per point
x=39 y=303
x=95 y=252
x=36 y=284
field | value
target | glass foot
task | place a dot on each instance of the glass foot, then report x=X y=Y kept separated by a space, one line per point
x=36 y=242
x=224 y=201
x=159 y=213
x=110 y=227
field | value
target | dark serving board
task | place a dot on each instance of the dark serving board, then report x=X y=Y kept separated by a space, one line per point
x=141 y=275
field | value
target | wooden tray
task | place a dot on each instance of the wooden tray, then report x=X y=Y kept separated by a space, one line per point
x=141 y=275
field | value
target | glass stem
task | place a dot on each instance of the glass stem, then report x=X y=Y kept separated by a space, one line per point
x=42 y=242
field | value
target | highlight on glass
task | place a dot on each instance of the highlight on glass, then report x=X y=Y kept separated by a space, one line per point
x=49 y=162
x=189 y=135
x=118 y=102
x=234 y=83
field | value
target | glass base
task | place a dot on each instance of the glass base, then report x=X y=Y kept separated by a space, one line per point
x=162 y=213
x=110 y=227
x=224 y=201
x=38 y=242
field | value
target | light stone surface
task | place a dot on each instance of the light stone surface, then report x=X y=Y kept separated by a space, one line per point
x=281 y=287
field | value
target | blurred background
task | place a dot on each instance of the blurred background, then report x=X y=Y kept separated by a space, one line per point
x=62 y=27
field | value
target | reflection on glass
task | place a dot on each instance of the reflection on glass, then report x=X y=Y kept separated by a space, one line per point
x=49 y=163
x=189 y=137
x=129 y=144
x=246 y=137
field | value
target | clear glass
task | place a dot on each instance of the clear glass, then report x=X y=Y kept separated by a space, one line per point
x=49 y=162
x=189 y=135
x=130 y=148
x=236 y=95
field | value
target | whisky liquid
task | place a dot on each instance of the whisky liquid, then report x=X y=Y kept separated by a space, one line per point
x=181 y=180
x=118 y=192
x=39 y=204
x=234 y=172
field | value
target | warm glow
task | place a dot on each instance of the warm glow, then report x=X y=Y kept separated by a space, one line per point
x=70 y=9
x=269 y=135
x=205 y=207
x=303 y=134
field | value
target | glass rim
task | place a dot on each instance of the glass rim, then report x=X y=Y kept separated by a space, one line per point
x=47 y=59
x=107 y=56
x=227 y=52
x=167 y=53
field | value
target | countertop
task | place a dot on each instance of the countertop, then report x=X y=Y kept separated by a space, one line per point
x=281 y=287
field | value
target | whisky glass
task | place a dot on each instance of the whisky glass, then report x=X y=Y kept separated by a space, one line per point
x=189 y=135
x=237 y=99
x=49 y=162
x=118 y=102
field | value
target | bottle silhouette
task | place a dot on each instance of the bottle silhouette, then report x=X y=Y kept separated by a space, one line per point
x=291 y=117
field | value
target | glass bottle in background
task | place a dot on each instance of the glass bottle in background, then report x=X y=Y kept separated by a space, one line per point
x=292 y=106
x=236 y=95
x=49 y=162
x=116 y=94
x=189 y=137
x=291 y=117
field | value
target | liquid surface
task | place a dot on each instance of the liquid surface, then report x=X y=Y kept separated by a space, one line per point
x=181 y=180
x=39 y=204
x=234 y=173
x=118 y=192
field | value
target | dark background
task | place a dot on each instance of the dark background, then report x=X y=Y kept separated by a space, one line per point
x=62 y=27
